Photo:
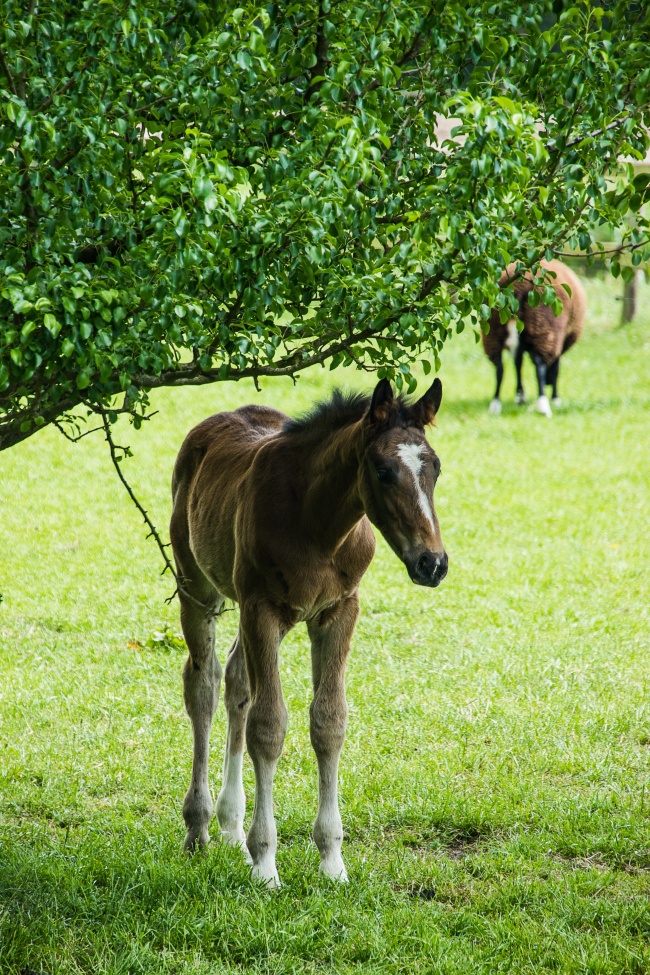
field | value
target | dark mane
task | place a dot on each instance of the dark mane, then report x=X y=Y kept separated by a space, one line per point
x=337 y=412
x=341 y=409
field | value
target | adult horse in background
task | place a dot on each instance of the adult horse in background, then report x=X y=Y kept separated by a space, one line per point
x=544 y=335
x=275 y=514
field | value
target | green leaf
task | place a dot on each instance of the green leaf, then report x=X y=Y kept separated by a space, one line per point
x=52 y=324
x=218 y=181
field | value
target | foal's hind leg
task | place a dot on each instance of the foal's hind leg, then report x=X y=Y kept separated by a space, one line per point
x=266 y=727
x=200 y=603
x=201 y=678
x=330 y=637
x=231 y=804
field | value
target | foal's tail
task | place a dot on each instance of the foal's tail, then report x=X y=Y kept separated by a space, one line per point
x=187 y=464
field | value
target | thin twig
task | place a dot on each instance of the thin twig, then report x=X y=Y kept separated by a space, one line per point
x=599 y=252
x=66 y=87
x=113 y=447
x=153 y=533
x=67 y=436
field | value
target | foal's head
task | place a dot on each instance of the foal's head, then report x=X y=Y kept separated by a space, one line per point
x=398 y=476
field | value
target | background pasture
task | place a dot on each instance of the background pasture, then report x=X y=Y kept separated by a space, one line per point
x=495 y=780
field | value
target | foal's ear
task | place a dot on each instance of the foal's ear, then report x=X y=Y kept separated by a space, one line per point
x=428 y=405
x=381 y=402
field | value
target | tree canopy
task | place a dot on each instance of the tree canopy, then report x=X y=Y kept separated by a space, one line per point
x=193 y=192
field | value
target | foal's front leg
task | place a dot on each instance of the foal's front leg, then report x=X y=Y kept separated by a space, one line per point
x=266 y=726
x=330 y=637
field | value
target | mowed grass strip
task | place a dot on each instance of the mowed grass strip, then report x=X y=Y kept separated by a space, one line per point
x=495 y=780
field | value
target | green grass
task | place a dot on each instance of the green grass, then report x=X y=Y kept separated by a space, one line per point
x=495 y=781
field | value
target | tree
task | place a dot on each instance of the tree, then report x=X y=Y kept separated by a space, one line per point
x=192 y=193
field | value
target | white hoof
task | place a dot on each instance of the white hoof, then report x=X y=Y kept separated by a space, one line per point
x=494 y=409
x=267 y=873
x=543 y=406
x=557 y=402
x=334 y=868
x=520 y=399
x=236 y=838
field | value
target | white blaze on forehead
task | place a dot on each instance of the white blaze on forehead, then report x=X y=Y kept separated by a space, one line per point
x=411 y=454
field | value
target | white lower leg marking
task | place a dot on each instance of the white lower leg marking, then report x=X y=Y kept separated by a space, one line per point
x=231 y=804
x=543 y=406
x=411 y=454
x=263 y=834
x=494 y=409
x=328 y=828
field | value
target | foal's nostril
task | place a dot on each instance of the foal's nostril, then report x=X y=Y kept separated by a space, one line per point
x=430 y=568
x=441 y=568
x=425 y=565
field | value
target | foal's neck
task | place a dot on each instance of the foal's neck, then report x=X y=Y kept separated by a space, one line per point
x=333 y=503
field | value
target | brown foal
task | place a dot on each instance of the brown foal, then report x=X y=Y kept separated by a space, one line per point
x=275 y=514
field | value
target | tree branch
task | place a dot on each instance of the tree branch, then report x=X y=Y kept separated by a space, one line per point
x=322 y=47
x=66 y=87
x=604 y=250
x=9 y=76
x=10 y=429
x=588 y=135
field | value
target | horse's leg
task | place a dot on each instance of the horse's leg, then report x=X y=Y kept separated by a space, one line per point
x=201 y=678
x=542 y=405
x=231 y=804
x=520 y=396
x=552 y=376
x=330 y=644
x=200 y=602
x=495 y=405
x=266 y=727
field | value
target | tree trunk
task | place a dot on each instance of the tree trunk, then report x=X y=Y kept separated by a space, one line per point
x=629 y=299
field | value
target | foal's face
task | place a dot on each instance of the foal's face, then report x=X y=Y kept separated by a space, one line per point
x=400 y=473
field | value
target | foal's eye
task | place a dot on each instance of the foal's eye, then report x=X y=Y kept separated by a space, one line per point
x=383 y=474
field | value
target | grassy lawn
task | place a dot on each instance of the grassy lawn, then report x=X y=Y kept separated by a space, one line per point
x=496 y=777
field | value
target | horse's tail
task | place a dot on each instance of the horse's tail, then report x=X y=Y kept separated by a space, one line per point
x=187 y=464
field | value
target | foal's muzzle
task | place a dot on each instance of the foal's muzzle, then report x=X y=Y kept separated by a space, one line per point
x=429 y=569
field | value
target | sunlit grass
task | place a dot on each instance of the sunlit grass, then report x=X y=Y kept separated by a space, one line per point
x=495 y=781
